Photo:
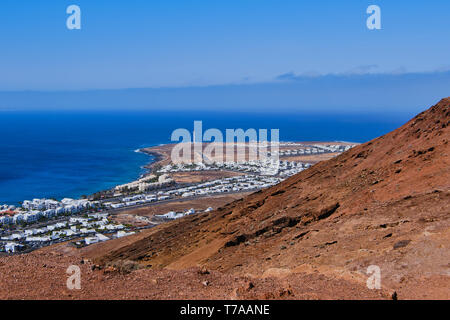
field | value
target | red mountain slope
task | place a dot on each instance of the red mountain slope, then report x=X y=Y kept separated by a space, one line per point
x=386 y=202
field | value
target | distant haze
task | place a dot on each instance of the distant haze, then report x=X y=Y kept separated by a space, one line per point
x=410 y=93
x=179 y=43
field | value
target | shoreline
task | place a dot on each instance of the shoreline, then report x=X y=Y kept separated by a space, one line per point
x=161 y=154
x=157 y=157
x=148 y=168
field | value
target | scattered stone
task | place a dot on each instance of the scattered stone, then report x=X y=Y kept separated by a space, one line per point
x=109 y=269
x=401 y=244
x=249 y=286
x=285 y=292
x=203 y=271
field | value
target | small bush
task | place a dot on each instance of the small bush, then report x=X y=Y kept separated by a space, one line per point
x=124 y=266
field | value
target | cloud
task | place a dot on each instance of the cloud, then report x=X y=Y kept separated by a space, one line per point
x=368 y=69
x=444 y=68
x=399 y=70
x=291 y=76
x=363 y=69
x=287 y=76
x=406 y=92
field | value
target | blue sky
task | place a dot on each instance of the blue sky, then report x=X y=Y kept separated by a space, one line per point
x=173 y=43
x=140 y=43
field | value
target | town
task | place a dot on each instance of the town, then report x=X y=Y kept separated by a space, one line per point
x=42 y=222
x=88 y=229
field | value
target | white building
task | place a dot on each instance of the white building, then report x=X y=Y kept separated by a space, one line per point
x=12 y=247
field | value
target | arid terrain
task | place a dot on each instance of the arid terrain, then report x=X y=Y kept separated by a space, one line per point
x=162 y=155
x=383 y=203
x=201 y=204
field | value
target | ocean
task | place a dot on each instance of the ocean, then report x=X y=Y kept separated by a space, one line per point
x=57 y=154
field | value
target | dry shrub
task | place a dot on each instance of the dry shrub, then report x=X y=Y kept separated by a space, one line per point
x=123 y=266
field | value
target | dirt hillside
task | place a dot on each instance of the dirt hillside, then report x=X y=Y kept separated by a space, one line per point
x=384 y=203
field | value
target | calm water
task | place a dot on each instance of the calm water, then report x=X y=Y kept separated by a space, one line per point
x=69 y=154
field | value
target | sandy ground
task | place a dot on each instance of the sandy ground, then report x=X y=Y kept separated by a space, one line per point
x=43 y=275
x=200 y=204
x=311 y=158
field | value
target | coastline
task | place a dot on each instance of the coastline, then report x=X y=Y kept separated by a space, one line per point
x=160 y=155
x=121 y=203
x=156 y=158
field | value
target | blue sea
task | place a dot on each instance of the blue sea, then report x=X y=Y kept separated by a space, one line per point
x=72 y=153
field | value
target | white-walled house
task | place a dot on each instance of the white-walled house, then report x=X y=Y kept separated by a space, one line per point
x=12 y=247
